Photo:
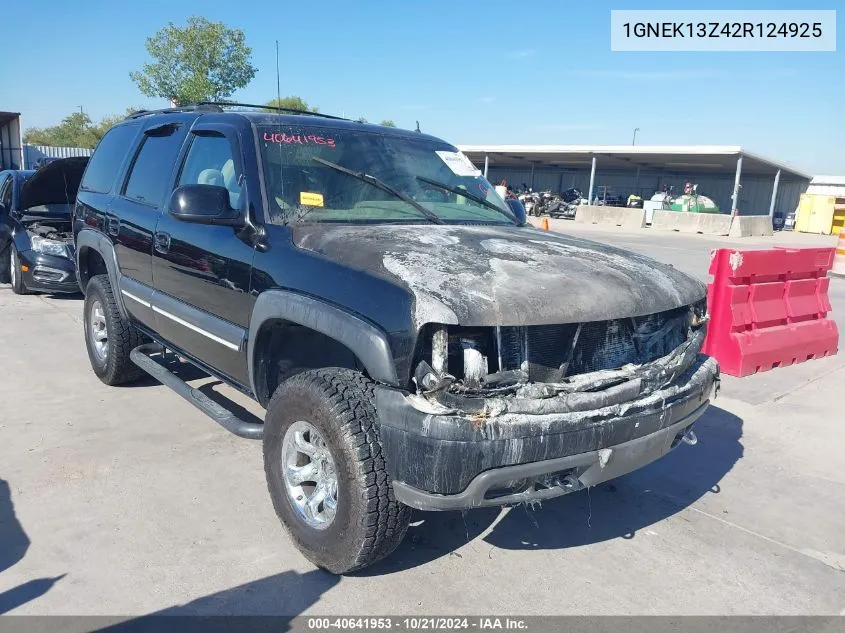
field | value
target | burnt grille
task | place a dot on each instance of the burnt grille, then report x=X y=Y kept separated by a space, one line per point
x=553 y=351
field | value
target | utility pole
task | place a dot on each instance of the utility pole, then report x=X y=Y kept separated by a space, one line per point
x=634 y=142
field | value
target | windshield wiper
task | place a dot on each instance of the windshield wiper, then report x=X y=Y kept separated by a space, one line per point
x=463 y=192
x=375 y=182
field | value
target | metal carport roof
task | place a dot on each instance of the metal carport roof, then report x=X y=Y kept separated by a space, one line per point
x=714 y=158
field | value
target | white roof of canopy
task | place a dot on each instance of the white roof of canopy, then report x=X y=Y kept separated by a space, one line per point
x=713 y=158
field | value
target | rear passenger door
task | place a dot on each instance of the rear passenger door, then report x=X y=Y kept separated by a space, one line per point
x=201 y=272
x=133 y=213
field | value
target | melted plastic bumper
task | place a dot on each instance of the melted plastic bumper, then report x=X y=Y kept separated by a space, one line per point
x=457 y=461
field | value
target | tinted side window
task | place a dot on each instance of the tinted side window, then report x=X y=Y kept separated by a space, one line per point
x=107 y=158
x=150 y=175
x=210 y=161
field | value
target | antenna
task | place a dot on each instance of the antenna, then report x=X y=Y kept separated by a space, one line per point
x=278 y=83
x=279 y=145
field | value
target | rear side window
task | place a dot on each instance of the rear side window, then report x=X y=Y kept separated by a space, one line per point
x=102 y=168
x=150 y=174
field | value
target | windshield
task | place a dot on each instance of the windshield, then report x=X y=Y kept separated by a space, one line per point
x=321 y=174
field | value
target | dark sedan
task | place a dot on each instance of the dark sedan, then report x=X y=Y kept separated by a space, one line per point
x=36 y=242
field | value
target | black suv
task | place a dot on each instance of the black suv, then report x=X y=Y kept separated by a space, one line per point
x=414 y=345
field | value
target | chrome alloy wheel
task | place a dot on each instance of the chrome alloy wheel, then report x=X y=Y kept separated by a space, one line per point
x=310 y=474
x=99 y=331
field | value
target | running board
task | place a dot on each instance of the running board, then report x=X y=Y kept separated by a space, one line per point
x=225 y=418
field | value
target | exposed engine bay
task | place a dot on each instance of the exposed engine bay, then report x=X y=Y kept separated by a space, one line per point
x=485 y=372
x=49 y=228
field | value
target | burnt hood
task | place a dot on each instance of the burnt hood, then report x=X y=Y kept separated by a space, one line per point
x=485 y=275
x=54 y=183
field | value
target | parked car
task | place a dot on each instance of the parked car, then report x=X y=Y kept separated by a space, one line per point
x=413 y=343
x=36 y=240
x=43 y=160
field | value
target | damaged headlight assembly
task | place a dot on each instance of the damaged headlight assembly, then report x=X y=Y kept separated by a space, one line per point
x=49 y=247
x=462 y=368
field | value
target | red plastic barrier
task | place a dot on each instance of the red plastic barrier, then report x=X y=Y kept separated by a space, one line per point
x=768 y=308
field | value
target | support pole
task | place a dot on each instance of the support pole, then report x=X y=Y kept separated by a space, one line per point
x=774 y=195
x=486 y=164
x=637 y=181
x=532 y=177
x=735 y=196
x=592 y=181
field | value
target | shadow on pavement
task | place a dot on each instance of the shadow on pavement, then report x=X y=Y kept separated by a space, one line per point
x=276 y=599
x=13 y=540
x=13 y=598
x=13 y=545
x=615 y=509
x=65 y=296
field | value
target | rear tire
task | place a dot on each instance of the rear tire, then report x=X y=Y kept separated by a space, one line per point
x=367 y=523
x=15 y=272
x=109 y=338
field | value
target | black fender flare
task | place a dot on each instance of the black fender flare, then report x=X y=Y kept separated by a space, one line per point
x=363 y=339
x=89 y=238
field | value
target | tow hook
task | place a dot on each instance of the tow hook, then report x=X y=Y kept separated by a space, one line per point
x=570 y=483
x=690 y=438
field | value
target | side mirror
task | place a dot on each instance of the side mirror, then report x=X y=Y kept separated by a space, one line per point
x=518 y=209
x=203 y=204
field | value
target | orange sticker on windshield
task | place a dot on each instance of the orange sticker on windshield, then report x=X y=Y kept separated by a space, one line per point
x=308 y=199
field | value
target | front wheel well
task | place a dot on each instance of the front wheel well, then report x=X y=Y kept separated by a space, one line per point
x=284 y=349
x=91 y=263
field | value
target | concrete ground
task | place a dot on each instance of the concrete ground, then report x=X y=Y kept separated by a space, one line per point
x=128 y=501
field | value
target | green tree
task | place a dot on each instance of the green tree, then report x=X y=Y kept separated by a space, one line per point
x=291 y=103
x=387 y=123
x=203 y=61
x=75 y=130
x=361 y=119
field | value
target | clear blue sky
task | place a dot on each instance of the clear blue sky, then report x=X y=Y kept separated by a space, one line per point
x=470 y=72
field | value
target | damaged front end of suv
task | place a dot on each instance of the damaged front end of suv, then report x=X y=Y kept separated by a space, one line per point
x=554 y=365
x=505 y=415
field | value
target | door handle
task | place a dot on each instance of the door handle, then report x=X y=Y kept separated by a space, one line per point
x=162 y=242
x=113 y=226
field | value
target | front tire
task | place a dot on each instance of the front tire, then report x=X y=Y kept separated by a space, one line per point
x=15 y=272
x=5 y=264
x=109 y=338
x=322 y=448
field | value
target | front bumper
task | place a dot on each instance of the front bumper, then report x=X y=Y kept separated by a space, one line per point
x=48 y=273
x=451 y=462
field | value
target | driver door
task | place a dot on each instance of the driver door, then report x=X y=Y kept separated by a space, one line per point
x=201 y=272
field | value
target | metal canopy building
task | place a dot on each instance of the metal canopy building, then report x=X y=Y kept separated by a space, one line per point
x=761 y=186
x=10 y=140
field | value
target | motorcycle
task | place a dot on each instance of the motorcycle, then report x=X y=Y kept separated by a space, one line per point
x=566 y=204
x=531 y=200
